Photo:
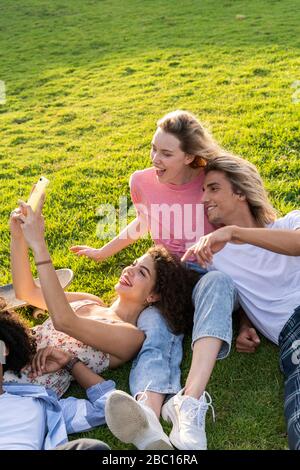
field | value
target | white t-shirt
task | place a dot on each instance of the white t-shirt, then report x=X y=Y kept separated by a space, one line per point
x=22 y=423
x=268 y=283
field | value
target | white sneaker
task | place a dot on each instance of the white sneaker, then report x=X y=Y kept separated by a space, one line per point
x=188 y=417
x=132 y=421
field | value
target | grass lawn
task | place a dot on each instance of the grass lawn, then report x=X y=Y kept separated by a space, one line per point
x=86 y=82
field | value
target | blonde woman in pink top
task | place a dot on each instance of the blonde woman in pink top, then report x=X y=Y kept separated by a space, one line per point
x=167 y=198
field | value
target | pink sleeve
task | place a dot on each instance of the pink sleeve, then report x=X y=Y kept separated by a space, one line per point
x=137 y=195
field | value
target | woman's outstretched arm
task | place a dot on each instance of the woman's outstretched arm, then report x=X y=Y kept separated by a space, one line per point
x=132 y=232
x=122 y=340
x=24 y=285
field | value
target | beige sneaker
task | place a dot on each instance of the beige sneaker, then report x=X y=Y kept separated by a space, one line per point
x=132 y=421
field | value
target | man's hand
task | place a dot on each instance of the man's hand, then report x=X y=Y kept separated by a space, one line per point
x=48 y=360
x=208 y=245
x=247 y=340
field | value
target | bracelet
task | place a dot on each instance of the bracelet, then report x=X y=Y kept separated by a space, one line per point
x=47 y=261
x=69 y=366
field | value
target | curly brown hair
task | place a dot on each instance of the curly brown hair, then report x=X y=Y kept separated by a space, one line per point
x=18 y=339
x=174 y=284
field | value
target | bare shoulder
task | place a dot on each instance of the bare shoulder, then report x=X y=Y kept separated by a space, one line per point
x=131 y=330
x=72 y=296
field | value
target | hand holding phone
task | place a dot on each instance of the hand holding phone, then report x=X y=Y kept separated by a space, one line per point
x=37 y=192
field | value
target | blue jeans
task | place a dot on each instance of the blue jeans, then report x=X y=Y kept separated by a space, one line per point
x=158 y=362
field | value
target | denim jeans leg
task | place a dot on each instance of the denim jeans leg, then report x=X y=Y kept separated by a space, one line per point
x=214 y=298
x=157 y=366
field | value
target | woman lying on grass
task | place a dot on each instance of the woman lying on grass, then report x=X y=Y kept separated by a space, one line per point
x=32 y=418
x=102 y=337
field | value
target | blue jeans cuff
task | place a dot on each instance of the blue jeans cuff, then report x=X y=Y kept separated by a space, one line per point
x=226 y=345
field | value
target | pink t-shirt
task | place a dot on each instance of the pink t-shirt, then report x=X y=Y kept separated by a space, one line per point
x=174 y=213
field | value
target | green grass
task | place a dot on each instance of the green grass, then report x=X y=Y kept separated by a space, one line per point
x=86 y=82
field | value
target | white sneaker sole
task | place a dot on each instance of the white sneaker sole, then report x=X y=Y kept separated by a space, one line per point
x=128 y=422
x=160 y=444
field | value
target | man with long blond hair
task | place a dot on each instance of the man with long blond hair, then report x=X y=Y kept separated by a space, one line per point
x=261 y=253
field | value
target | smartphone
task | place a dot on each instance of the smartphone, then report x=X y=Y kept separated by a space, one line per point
x=37 y=192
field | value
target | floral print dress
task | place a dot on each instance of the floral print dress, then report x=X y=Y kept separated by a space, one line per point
x=47 y=335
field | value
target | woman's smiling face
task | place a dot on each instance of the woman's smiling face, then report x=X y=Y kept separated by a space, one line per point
x=137 y=281
x=170 y=162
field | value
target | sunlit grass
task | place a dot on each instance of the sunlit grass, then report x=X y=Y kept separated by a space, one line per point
x=86 y=82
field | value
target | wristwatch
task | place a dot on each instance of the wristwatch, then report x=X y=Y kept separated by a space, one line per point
x=69 y=366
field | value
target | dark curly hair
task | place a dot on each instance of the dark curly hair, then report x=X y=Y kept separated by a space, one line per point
x=174 y=284
x=18 y=339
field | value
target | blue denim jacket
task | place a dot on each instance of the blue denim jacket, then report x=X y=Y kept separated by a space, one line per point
x=67 y=415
